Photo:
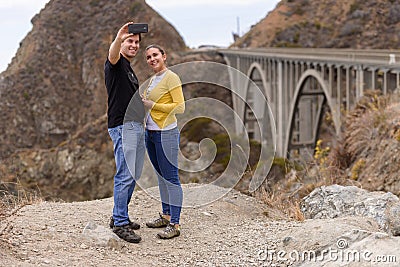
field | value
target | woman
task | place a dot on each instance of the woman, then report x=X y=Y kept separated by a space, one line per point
x=164 y=98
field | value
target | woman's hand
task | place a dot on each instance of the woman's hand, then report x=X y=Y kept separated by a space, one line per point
x=147 y=103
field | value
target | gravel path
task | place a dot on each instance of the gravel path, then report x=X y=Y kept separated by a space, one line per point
x=228 y=232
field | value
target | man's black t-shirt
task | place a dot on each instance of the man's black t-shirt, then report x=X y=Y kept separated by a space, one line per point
x=122 y=88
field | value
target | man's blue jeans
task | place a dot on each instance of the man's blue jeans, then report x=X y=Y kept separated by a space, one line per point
x=162 y=148
x=128 y=140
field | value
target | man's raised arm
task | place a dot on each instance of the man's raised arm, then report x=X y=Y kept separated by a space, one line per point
x=115 y=47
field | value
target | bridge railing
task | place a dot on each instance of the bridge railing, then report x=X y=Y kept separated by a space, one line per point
x=378 y=58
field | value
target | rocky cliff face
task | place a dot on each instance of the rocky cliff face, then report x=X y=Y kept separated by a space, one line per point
x=328 y=24
x=54 y=85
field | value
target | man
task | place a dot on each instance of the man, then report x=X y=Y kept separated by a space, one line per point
x=125 y=126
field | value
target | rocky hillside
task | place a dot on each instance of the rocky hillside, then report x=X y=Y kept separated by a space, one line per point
x=358 y=24
x=369 y=150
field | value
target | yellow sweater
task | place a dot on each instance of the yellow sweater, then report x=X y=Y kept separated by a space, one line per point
x=168 y=98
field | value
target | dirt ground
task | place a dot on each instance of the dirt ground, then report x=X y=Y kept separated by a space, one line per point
x=227 y=232
x=233 y=230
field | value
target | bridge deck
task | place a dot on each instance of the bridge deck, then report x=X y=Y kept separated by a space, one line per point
x=372 y=58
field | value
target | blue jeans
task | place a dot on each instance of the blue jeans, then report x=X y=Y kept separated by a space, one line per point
x=128 y=140
x=162 y=148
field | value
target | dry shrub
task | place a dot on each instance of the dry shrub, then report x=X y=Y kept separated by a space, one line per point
x=365 y=123
x=278 y=192
x=279 y=207
x=339 y=157
x=364 y=129
x=13 y=196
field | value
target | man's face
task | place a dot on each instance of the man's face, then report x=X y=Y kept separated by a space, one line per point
x=130 y=46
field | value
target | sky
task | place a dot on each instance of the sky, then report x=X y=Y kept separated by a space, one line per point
x=199 y=22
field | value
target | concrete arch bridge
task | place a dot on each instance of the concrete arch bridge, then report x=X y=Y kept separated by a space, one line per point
x=301 y=85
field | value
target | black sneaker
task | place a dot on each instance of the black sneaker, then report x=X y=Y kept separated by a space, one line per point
x=133 y=225
x=158 y=222
x=169 y=232
x=126 y=233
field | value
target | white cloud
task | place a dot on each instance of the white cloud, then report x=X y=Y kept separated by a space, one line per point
x=26 y=4
x=15 y=23
x=210 y=3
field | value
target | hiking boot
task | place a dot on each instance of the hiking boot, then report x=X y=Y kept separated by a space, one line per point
x=158 y=223
x=169 y=232
x=133 y=225
x=126 y=233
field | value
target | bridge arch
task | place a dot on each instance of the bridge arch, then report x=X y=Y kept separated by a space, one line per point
x=256 y=92
x=255 y=69
x=321 y=93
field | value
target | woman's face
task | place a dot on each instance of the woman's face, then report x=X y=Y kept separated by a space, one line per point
x=155 y=59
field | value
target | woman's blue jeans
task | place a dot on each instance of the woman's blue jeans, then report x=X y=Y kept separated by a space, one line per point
x=162 y=148
x=129 y=148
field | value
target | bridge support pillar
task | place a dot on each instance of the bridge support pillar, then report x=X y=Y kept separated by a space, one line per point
x=281 y=118
x=360 y=83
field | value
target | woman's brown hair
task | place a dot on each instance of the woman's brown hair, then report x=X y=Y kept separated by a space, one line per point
x=156 y=46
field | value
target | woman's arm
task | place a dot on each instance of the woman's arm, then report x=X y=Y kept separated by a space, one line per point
x=178 y=102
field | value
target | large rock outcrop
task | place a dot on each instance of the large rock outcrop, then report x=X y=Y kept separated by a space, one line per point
x=337 y=201
x=329 y=24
